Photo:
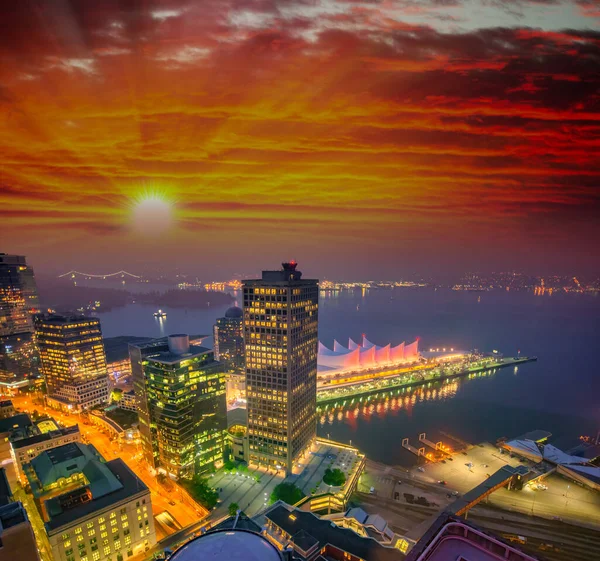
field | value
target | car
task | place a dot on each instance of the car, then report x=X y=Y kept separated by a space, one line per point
x=442 y=482
x=372 y=491
x=464 y=453
x=172 y=503
x=421 y=469
x=449 y=495
x=455 y=493
x=443 y=461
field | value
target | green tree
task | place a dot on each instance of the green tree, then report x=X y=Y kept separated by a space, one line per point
x=334 y=477
x=233 y=508
x=288 y=493
x=203 y=492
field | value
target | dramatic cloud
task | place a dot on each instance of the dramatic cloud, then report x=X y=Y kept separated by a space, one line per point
x=418 y=132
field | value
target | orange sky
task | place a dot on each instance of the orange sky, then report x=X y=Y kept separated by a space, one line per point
x=362 y=138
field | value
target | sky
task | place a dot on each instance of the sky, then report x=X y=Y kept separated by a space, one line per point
x=365 y=139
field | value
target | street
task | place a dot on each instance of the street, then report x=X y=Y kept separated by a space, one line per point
x=168 y=497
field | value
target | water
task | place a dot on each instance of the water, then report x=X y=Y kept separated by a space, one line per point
x=559 y=393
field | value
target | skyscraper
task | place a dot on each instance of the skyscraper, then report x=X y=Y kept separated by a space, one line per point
x=180 y=393
x=281 y=340
x=229 y=340
x=72 y=360
x=18 y=302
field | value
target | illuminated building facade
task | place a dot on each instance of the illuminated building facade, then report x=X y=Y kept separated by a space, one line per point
x=228 y=334
x=18 y=302
x=281 y=340
x=93 y=509
x=180 y=394
x=72 y=360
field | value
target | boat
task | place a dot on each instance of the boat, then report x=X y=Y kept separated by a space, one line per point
x=160 y=314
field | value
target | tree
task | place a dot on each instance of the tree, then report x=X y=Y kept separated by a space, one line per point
x=202 y=491
x=334 y=477
x=288 y=493
x=233 y=508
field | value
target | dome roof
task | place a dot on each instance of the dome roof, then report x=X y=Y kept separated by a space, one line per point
x=234 y=312
x=228 y=545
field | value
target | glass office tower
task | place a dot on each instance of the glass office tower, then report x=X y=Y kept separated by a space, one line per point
x=72 y=359
x=18 y=302
x=281 y=341
x=180 y=392
x=229 y=340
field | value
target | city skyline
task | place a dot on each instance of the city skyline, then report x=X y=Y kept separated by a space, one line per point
x=348 y=135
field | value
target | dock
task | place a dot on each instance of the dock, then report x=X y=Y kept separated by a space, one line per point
x=436 y=446
x=330 y=394
x=410 y=448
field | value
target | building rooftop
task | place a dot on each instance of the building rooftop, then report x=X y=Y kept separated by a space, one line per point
x=536 y=435
x=129 y=485
x=20 y=421
x=234 y=313
x=168 y=357
x=452 y=538
x=36 y=439
x=57 y=319
x=325 y=532
x=117 y=348
x=12 y=514
x=233 y=545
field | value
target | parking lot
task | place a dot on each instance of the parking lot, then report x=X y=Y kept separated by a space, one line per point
x=560 y=499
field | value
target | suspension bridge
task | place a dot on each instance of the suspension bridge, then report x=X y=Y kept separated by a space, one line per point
x=121 y=274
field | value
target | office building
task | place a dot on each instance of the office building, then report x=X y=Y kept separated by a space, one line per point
x=72 y=360
x=24 y=450
x=281 y=343
x=19 y=360
x=229 y=340
x=18 y=295
x=180 y=394
x=18 y=302
x=92 y=509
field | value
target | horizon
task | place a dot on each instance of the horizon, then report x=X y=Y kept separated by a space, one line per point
x=389 y=137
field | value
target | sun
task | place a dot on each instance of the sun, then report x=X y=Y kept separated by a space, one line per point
x=152 y=213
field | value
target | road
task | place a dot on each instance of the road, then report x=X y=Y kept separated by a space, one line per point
x=168 y=497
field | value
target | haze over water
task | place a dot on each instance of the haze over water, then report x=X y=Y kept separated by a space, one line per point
x=561 y=330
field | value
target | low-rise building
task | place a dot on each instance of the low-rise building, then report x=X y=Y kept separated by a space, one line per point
x=127 y=401
x=311 y=536
x=21 y=423
x=17 y=540
x=7 y=409
x=92 y=509
x=26 y=449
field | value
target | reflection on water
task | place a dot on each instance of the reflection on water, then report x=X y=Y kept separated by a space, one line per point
x=381 y=404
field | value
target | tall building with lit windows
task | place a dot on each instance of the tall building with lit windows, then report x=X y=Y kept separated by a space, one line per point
x=18 y=302
x=228 y=335
x=281 y=340
x=180 y=394
x=72 y=360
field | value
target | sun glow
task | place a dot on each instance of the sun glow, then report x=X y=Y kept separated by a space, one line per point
x=152 y=213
